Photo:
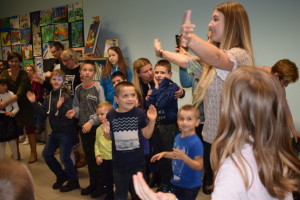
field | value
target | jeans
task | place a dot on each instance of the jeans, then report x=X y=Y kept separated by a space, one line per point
x=186 y=193
x=64 y=141
x=123 y=180
x=107 y=170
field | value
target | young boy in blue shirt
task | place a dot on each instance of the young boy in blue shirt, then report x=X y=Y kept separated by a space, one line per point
x=187 y=155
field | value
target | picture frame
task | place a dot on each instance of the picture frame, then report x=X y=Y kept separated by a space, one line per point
x=110 y=43
x=92 y=39
x=79 y=51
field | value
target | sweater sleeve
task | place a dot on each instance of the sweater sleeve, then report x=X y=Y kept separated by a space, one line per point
x=76 y=102
x=186 y=80
x=165 y=95
x=97 y=141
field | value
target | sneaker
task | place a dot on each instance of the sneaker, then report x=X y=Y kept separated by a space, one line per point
x=99 y=191
x=60 y=180
x=26 y=141
x=86 y=191
x=71 y=185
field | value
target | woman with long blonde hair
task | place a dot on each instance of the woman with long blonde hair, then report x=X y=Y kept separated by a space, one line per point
x=229 y=48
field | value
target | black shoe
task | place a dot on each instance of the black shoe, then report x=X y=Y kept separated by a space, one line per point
x=60 y=180
x=39 y=129
x=206 y=189
x=99 y=191
x=71 y=185
x=110 y=196
x=86 y=191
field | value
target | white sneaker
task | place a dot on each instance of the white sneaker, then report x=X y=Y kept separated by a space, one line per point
x=26 y=141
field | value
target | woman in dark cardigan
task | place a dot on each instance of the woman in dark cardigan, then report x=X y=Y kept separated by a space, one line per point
x=19 y=84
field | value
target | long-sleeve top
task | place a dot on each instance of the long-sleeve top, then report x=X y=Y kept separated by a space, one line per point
x=57 y=117
x=107 y=85
x=102 y=145
x=13 y=107
x=85 y=101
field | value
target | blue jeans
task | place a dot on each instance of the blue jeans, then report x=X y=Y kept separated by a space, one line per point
x=123 y=180
x=186 y=193
x=64 y=141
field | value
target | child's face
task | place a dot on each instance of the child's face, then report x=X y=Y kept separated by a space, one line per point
x=102 y=111
x=187 y=121
x=29 y=70
x=3 y=88
x=87 y=72
x=57 y=82
x=126 y=99
x=116 y=80
x=160 y=73
x=113 y=57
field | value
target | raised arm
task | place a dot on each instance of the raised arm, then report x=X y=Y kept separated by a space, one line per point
x=152 y=115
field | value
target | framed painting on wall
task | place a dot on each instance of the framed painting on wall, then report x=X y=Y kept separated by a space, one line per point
x=110 y=43
x=79 y=51
x=93 y=34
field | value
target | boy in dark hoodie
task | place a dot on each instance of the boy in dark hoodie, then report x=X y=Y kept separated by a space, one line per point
x=55 y=106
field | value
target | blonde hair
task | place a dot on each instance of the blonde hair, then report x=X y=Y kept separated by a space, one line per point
x=15 y=180
x=253 y=112
x=236 y=34
x=70 y=54
x=32 y=66
x=106 y=104
x=137 y=65
x=191 y=108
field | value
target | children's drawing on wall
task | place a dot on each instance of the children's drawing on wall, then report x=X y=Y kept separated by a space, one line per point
x=25 y=36
x=77 y=34
x=26 y=51
x=15 y=37
x=16 y=48
x=5 y=39
x=27 y=62
x=37 y=45
x=5 y=24
x=48 y=33
x=60 y=14
x=5 y=52
x=46 y=17
x=39 y=66
x=14 y=22
x=61 y=31
x=75 y=11
x=25 y=20
x=35 y=22
x=91 y=41
x=46 y=51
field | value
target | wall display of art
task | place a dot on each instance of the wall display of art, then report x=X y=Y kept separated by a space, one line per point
x=5 y=39
x=25 y=20
x=61 y=31
x=35 y=22
x=77 y=34
x=15 y=37
x=90 y=44
x=5 y=52
x=37 y=45
x=16 y=48
x=38 y=61
x=30 y=34
x=75 y=11
x=27 y=62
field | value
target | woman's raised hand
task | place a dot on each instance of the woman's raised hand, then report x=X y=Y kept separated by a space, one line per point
x=187 y=29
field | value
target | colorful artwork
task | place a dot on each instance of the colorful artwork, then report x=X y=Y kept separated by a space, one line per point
x=75 y=11
x=37 y=45
x=46 y=17
x=5 y=39
x=15 y=37
x=66 y=43
x=38 y=62
x=16 y=48
x=25 y=36
x=5 y=24
x=14 y=22
x=110 y=43
x=60 y=14
x=46 y=51
x=35 y=22
x=27 y=62
x=26 y=50
x=92 y=39
x=48 y=33
x=77 y=34
x=61 y=31
x=25 y=21
x=5 y=52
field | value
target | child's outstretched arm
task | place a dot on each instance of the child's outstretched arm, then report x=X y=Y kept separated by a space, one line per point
x=161 y=155
x=196 y=163
x=152 y=115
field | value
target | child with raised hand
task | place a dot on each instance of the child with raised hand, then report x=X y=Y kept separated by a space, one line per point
x=103 y=150
x=8 y=124
x=252 y=157
x=187 y=155
x=162 y=96
x=56 y=106
x=115 y=62
x=125 y=126
x=87 y=96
